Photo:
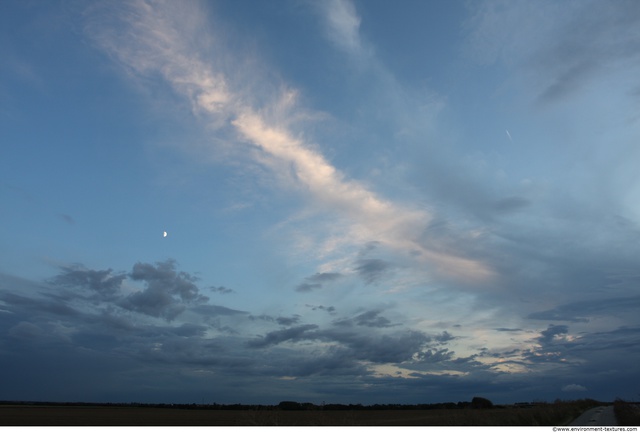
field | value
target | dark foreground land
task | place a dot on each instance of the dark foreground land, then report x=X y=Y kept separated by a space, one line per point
x=94 y=415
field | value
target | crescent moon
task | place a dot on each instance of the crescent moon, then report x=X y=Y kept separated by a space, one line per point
x=164 y=234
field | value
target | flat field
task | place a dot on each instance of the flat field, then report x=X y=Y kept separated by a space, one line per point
x=27 y=415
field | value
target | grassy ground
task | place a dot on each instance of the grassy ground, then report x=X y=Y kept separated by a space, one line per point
x=542 y=415
x=627 y=413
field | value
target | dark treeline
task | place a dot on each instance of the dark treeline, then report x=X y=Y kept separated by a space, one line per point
x=475 y=403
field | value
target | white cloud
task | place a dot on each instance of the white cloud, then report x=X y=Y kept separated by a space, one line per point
x=574 y=388
x=370 y=217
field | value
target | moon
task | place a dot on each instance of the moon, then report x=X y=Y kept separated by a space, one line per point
x=164 y=234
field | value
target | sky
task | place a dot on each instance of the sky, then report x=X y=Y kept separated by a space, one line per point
x=364 y=201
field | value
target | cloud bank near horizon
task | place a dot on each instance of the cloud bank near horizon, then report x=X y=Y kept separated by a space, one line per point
x=155 y=317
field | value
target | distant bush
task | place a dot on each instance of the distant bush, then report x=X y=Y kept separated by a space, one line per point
x=481 y=403
x=290 y=405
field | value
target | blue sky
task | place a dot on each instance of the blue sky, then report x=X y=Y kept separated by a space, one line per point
x=365 y=202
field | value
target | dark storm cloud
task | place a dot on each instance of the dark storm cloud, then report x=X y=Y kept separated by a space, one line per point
x=167 y=291
x=332 y=362
x=397 y=347
x=435 y=356
x=307 y=287
x=586 y=352
x=288 y=321
x=489 y=384
x=105 y=283
x=25 y=330
x=467 y=360
x=190 y=330
x=317 y=281
x=284 y=321
x=115 y=321
x=95 y=340
x=139 y=351
x=618 y=341
x=154 y=302
x=164 y=277
x=372 y=269
x=167 y=294
x=290 y=334
x=605 y=361
x=602 y=361
x=444 y=337
x=346 y=349
x=584 y=311
x=10 y=283
x=371 y=319
x=552 y=332
x=24 y=303
x=330 y=309
x=221 y=289
x=335 y=361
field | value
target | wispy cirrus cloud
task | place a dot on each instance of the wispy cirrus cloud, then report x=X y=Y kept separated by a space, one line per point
x=343 y=24
x=176 y=42
x=317 y=281
x=162 y=39
x=559 y=56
